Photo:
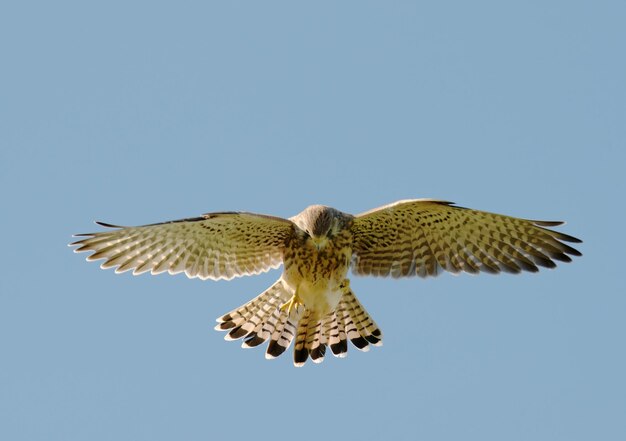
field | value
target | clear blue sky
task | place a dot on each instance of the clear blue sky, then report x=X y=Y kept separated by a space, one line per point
x=139 y=112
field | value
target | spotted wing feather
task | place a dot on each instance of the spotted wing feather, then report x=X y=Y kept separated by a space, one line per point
x=213 y=246
x=422 y=236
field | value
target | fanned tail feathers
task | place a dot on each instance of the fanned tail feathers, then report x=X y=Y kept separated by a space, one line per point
x=360 y=328
x=262 y=319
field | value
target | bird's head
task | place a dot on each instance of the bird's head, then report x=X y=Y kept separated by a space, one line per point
x=321 y=223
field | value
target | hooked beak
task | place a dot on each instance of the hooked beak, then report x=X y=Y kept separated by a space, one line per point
x=320 y=242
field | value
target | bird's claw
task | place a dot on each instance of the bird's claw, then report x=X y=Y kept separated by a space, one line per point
x=292 y=305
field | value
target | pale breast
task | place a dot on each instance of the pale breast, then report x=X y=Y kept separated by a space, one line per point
x=315 y=274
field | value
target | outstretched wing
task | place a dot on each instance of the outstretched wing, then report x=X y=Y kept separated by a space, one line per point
x=422 y=236
x=213 y=246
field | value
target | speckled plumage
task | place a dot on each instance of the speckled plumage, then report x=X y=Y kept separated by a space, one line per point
x=312 y=304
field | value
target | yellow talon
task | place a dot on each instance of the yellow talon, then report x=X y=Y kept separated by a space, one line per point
x=292 y=305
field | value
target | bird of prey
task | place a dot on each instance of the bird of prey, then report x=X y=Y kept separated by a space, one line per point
x=312 y=302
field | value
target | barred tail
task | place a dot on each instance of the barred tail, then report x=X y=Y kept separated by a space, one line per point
x=262 y=319
x=350 y=321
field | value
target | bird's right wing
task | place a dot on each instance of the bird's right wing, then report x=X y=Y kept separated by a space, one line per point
x=421 y=236
x=213 y=246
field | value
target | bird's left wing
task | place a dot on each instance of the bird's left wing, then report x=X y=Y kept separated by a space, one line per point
x=212 y=246
x=421 y=236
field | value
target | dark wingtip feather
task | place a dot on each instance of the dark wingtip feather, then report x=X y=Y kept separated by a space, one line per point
x=568 y=238
x=446 y=203
x=489 y=269
x=511 y=268
x=547 y=223
x=543 y=261
x=569 y=250
x=90 y=235
x=527 y=266
x=561 y=257
x=104 y=224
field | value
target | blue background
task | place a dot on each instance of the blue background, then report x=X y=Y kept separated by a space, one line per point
x=139 y=112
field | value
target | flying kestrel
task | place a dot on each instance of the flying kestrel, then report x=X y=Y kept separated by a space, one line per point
x=312 y=301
